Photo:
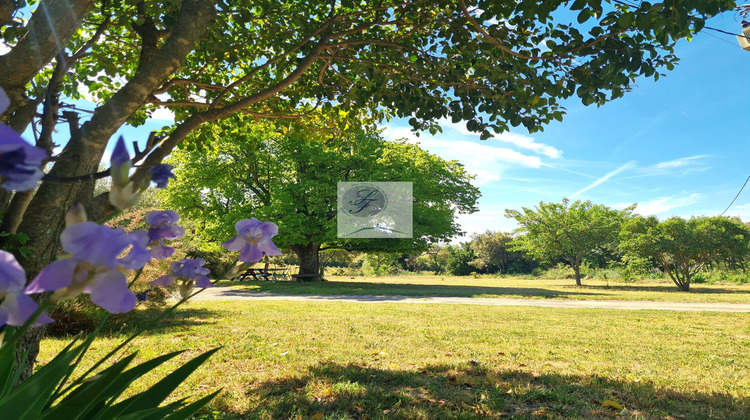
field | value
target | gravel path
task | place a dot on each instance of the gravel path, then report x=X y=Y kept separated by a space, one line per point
x=229 y=293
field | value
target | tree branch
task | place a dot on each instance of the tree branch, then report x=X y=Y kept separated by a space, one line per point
x=49 y=30
x=195 y=120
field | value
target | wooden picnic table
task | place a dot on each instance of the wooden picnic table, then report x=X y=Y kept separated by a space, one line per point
x=259 y=273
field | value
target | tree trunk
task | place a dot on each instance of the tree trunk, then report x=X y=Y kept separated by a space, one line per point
x=15 y=211
x=685 y=283
x=5 y=197
x=309 y=261
x=577 y=269
x=45 y=216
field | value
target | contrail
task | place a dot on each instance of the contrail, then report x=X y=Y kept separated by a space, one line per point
x=604 y=178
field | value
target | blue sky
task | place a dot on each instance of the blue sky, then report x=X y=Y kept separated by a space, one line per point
x=677 y=147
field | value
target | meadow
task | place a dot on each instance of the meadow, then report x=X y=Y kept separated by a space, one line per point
x=516 y=287
x=342 y=360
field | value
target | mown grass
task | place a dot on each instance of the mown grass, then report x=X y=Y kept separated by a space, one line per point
x=515 y=287
x=349 y=360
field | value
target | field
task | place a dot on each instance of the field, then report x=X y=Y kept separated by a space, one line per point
x=518 y=287
x=352 y=360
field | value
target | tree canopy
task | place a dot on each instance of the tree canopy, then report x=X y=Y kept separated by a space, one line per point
x=567 y=231
x=681 y=248
x=493 y=64
x=493 y=253
x=276 y=173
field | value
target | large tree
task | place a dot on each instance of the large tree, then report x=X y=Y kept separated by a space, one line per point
x=280 y=174
x=567 y=231
x=681 y=248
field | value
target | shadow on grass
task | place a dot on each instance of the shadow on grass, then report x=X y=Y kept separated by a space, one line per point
x=666 y=288
x=400 y=289
x=472 y=391
x=180 y=320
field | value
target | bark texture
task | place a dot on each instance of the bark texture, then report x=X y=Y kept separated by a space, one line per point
x=45 y=215
x=309 y=261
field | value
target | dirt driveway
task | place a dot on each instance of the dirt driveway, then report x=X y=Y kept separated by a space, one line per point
x=229 y=293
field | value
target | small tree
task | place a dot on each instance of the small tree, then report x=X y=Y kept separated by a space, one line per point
x=566 y=231
x=459 y=260
x=682 y=247
x=437 y=258
x=493 y=252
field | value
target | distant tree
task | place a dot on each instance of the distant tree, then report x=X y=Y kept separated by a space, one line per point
x=680 y=247
x=567 y=231
x=436 y=258
x=459 y=259
x=493 y=252
x=417 y=262
x=381 y=263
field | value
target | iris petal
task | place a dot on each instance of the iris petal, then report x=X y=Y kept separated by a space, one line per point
x=57 y=275
x=110 y=291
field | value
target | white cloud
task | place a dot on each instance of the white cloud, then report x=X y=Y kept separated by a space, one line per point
x=604 y=179
x=664 y=204
x=515 y=139
x=530 y=144
x=679 y=162
x=742 y=211
x=163 y=114
x=483 y=220
x=481 y=159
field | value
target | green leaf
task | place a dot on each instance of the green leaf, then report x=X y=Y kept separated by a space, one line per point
x=77 y=404
x=7 y=365
x=578 y=5
x=161 y=390
x=584 y=16
x=28 y=399
x=127 y=377
x=154 y=413
x=191 y=408
x=626 y=20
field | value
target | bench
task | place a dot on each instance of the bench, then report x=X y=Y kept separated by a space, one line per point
x=306 y=277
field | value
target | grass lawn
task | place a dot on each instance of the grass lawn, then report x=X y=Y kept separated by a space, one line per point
x=350 y=360
x=655 y=290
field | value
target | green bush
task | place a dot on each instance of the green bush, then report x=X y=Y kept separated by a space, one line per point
x=700 y=278
x=636 y=268
x=459 y=260
x=560 y=271
x=722 y=276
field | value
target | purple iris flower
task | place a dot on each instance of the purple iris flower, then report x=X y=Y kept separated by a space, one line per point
x=163 y=227
x=124 y=193
x=94 y=266
x=160 y=174
x=120 y=156
x=253 y=240
x=17 y=307
x=189 y=273
x=20 y=162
